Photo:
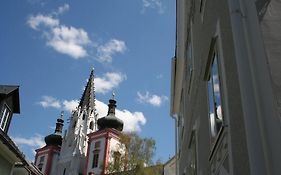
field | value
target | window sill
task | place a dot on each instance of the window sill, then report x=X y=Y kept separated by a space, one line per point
x=216 y=142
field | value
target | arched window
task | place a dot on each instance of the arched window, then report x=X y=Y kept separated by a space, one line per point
x=74 y=124
x=64 y=171
x=84 y=116
x=91 y=125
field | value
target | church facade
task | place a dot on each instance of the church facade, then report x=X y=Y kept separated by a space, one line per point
x=89 y=144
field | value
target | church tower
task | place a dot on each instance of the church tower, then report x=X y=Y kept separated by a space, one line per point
x=46 y=158
x=104 y=145
x=83 y=121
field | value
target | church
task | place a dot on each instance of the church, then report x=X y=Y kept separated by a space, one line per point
x=89 y=144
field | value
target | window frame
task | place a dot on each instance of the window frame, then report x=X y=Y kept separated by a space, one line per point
x=4 y=118
x=202 y=5
x=215 y=52
x=193 y=147
x=189 y=60
x=95 y=161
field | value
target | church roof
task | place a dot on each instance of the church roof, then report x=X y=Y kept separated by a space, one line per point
x=7 y=90
x=55 y=139
x=88 y=97
x=110 y=121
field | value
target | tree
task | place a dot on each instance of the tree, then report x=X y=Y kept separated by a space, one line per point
x=138 y=156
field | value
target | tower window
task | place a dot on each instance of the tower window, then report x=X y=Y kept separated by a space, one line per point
x=117 y=159
x=84 y=116
x=95 y=160
x=91 y=125
x=41 y=163
x=40 y=166
x=64 y=170
x=74 y=124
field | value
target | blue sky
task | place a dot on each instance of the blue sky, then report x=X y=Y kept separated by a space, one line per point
x=49 y=48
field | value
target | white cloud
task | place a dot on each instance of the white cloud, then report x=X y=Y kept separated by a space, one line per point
x=159 y=76
x=63 y=39
x=63 y=9
x=70 y=105
x=49 y=101
x=132 y=120
x=36 y=141
x=153 y=4
x=152 y=99
x=47 y=21
x=69 y=40
x=108 y=81
x=106 y=51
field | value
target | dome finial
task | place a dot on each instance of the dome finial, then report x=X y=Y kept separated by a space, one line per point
x=61 y=114
x=113 y=95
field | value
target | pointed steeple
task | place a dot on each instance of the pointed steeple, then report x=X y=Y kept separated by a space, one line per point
x=88 y=97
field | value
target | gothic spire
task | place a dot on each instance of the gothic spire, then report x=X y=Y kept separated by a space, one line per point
x=88 y=97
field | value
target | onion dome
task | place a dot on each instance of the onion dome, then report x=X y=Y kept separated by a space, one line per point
x=55 y=139
x=110 y=121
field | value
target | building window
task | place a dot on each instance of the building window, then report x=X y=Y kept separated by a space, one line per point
x=5 y=114
x=64 y=170
x=95 y=160
x=41 y=163
x=189 y=61
x=74 y=124
x=202 y=8
x=215 y=98
x=192 y=167
x=84 y=116
x=40 y=166
x=117 y=160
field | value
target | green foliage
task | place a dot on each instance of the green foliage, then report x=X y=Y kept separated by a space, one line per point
x=137 y=159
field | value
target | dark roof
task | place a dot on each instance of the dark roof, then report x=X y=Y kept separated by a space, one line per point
x=7 y=90
x=53 y=139
x=110 y=121
x=88 y=97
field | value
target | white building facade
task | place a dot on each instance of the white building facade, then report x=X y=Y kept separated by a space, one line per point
x=225 y=89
